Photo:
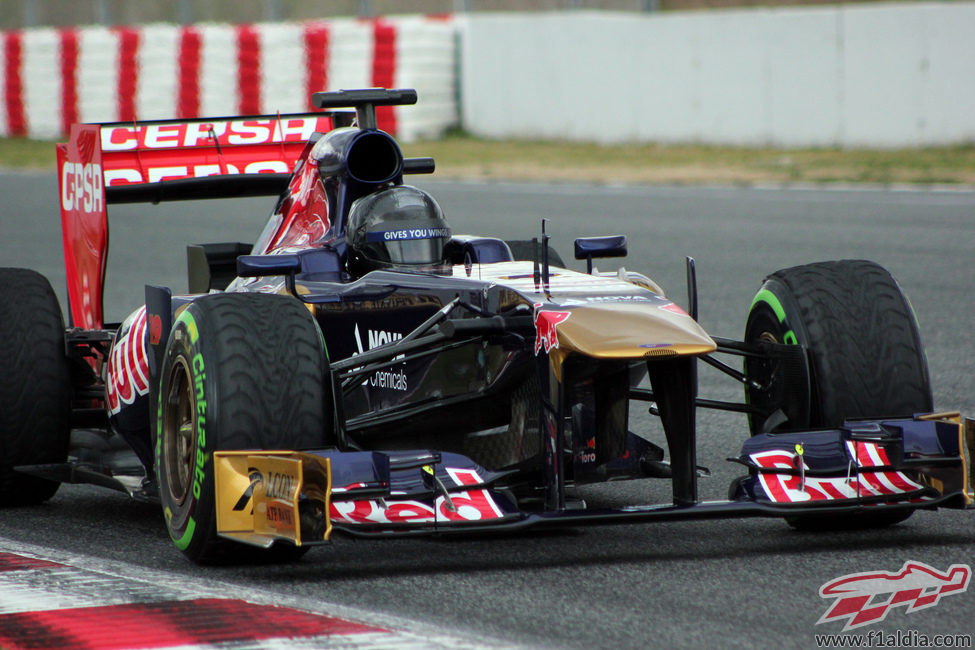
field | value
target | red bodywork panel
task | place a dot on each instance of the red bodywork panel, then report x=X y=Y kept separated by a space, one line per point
x=99 y=157
x=303 y=212
x=84 y=223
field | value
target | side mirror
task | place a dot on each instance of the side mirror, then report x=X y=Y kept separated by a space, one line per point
x=252 y=266
x=586 y=248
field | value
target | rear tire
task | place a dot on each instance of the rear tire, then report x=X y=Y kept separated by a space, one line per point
x=35 y=386
x=241 y=371
x=864 y=351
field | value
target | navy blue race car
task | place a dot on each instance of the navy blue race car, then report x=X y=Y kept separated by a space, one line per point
x=361 y=368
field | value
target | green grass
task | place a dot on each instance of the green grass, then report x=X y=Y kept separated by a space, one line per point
x=20 y=153
x=461 y=156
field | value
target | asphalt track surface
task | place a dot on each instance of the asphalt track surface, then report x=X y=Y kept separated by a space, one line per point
x=730 y=583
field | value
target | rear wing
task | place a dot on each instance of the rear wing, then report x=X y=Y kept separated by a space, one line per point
x=164 y=160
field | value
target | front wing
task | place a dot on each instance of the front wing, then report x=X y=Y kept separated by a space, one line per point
x=301 y=496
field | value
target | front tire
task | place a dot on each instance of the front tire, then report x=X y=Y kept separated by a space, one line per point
x=35 y=386
x=864 y=350
x=865 y=358
x=241 y=371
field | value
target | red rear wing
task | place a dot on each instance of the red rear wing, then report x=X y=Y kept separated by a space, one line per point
x=163 y=161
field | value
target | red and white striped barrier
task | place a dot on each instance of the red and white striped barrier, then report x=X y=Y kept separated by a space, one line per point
x=51 y=78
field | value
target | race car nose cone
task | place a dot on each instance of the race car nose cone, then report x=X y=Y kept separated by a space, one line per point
x=632 y=331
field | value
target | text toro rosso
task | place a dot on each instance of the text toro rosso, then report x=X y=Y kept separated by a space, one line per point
x=363 y=369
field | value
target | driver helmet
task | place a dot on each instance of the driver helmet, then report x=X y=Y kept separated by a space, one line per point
x=399 y=228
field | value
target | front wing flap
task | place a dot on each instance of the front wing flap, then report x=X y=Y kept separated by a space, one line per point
x=887 y=462
x=266 y=496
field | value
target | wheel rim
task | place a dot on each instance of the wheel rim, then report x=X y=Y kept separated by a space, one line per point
x=761 y=370
x=178 y=432
x=763 y=326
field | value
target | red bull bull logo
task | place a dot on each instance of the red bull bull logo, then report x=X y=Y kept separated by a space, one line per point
x=545 y=323
x=865 y=598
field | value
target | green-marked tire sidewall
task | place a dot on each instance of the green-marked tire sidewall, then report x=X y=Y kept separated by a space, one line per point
x=863 y=351
x=189 y=519
x=249 y=370
x=773 y=311
x=769 y=297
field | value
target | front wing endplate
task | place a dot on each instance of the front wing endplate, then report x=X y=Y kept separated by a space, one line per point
x=266 y=496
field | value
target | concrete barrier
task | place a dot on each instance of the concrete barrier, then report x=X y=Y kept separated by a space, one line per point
x=896 y=75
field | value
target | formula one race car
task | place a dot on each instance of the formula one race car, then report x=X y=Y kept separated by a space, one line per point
x=361 y=368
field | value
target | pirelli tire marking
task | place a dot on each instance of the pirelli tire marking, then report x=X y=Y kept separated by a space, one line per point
x=770 y=299
x=241 y=371
x=183 y=459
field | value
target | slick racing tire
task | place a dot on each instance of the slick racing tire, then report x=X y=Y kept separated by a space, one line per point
x=35 y=386
x=865 y=357
x=240 y=371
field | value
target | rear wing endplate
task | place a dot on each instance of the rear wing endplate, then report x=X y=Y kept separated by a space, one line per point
x=164 y=160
